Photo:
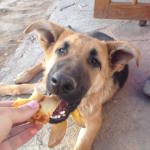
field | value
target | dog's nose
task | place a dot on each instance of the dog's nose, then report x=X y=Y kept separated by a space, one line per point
x=62 y=83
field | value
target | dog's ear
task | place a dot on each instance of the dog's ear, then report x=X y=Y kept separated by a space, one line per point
x=120 y=53
x=48 y=32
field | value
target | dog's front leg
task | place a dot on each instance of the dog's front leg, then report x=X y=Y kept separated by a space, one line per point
x=29 y=74
x=6 y=89
x=87 y=135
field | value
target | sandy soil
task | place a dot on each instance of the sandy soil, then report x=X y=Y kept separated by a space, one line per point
x=14 y=16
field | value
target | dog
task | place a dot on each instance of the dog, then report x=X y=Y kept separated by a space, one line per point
x=83 y=70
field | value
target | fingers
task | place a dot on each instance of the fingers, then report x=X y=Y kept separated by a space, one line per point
x=24 y=112
x=16 y=141
x=6 y=103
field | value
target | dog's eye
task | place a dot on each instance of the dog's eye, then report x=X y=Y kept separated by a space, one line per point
x=94 y=62
x=63 y=50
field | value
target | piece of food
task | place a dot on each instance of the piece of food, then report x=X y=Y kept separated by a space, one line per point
x=78 y=118
x=47 y=106
x=51 y=110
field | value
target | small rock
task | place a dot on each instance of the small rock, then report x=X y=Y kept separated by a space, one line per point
x=146 y=88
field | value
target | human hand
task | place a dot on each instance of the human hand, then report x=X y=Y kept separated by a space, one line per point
x=14 y=132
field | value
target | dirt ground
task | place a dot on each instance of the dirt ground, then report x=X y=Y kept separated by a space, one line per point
x=15 y=15
x=126 y=121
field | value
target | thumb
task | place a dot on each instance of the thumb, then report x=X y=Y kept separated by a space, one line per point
x=25 y=112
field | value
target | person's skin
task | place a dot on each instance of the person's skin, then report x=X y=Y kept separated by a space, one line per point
x=14 y=129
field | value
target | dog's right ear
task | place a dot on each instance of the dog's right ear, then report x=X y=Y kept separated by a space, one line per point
x=48 y=32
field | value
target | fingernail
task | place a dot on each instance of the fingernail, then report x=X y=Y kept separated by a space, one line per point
x=33 y=104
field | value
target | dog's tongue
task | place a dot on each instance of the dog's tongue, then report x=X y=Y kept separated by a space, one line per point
x=60 y=108
x=61 y=112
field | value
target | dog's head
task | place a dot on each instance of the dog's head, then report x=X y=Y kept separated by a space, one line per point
x=76 y=64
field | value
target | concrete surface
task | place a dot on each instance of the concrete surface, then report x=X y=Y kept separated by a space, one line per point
x=15 y=14
x=126 y=121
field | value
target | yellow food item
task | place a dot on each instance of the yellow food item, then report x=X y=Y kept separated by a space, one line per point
x=78 y=118
x=47 y=106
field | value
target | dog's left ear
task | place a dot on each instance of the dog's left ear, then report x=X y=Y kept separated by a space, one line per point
x=48 y=32
x=120 y=53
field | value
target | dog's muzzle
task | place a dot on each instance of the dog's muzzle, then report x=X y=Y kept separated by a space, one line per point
x=69 y=84
x=64 y=87
x=62 y=84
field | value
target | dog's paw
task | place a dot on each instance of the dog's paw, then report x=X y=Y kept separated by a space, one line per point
x=23 y=77
x=57 y=133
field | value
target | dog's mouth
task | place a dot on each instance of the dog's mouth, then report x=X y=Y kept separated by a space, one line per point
x=61 y=113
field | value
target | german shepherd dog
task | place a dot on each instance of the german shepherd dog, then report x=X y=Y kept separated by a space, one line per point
x=83 y=70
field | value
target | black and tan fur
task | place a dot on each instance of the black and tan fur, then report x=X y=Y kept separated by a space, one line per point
x=99 y=79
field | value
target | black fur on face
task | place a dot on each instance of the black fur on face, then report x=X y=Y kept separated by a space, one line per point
x=66 y=69
x=93 y=59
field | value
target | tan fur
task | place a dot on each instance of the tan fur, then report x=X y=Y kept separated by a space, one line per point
x=102 y=86
x=29 y=74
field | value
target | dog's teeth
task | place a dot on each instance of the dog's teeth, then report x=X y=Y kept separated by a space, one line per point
x=62 y=112
x=54 y=117
x=58 y=116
